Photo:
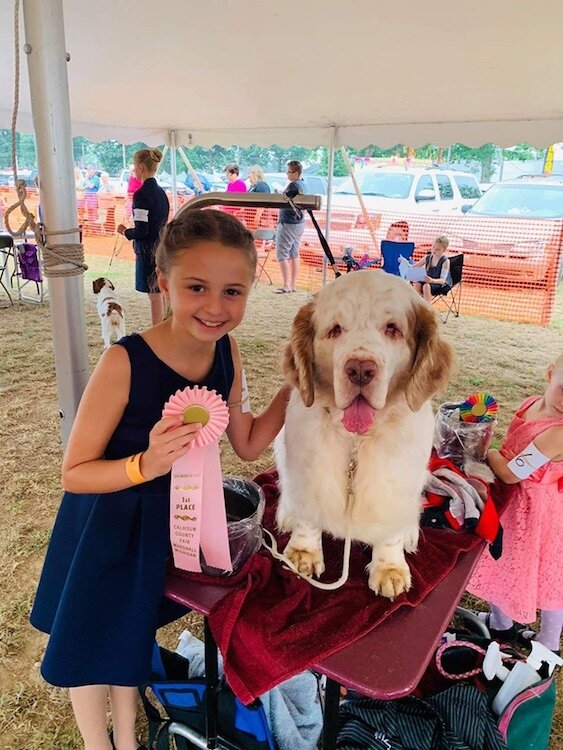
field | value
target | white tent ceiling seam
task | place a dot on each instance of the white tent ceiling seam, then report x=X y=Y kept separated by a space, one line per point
x=539 y=133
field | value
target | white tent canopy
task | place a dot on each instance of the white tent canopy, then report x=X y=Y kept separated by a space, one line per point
x=262 y=72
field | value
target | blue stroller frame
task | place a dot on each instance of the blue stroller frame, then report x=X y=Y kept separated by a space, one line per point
x=201 y=712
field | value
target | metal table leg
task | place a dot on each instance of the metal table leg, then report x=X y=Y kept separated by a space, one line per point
x=5 y=254
x=212 y=686
x=330 y=722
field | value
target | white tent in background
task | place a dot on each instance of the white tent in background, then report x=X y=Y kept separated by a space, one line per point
x=261 y=72
x=244 y=72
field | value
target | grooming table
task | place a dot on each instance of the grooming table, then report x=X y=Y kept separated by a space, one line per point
x=386 y=663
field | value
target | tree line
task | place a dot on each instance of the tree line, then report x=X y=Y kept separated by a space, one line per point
x=112 y=156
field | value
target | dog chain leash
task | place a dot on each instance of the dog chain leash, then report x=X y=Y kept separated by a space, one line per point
x=270 y=543
x=116 y=249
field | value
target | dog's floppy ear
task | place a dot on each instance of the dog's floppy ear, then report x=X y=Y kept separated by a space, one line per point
x=434 y=359
x=298 y=359
x=98 y=284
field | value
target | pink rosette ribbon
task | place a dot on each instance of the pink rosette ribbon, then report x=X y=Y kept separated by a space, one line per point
x=197 y=505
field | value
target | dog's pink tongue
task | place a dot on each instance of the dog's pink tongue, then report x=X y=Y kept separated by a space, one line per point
x=358 y=417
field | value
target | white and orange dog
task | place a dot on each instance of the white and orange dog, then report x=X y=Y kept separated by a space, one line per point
x=110 y=311
x=365 y=357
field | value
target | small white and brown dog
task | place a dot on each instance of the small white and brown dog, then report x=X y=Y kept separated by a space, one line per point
x=110 y=311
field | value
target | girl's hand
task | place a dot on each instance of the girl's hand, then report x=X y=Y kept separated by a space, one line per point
x=169 y=439
x=121 y=228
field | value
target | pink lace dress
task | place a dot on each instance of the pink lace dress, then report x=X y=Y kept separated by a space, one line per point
x=529 y=575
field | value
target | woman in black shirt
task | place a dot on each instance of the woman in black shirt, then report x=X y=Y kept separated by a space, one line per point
x=150 y=213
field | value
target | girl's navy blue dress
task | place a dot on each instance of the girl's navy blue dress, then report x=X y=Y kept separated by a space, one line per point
x=100 y=595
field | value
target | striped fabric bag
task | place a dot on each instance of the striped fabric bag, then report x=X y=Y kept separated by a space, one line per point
x=456 y=719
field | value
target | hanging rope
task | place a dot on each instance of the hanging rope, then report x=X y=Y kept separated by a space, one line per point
x=54 y=255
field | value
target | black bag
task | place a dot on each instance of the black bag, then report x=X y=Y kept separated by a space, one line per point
x=454 y=719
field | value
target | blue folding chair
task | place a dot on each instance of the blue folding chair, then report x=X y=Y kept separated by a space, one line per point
x=391 y=252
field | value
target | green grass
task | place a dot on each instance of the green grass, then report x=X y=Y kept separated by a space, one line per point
x=506 y=359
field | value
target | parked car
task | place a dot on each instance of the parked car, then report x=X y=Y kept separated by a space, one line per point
x=511 y=236
x=119 y=182
x=165 y=182
x=532 y=197
x=409 y=190
x=276 y=180
x=218 y=182
x=28 y=175
x=314 y=184
x=209 y=182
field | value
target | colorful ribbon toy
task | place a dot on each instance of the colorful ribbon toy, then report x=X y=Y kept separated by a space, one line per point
x=196 y=524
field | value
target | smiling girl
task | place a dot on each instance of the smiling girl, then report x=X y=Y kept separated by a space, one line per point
x=100 y=596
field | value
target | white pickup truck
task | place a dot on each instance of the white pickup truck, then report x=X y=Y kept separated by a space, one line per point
x=409 y=190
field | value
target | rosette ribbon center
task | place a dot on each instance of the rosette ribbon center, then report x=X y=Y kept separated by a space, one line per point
x=198 y=519
x=479 y=407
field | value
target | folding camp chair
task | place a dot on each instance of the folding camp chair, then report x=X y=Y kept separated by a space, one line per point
x=391 y=251
x=452 y=297
x=6 y=252
x=29 y=261
x=266 y=239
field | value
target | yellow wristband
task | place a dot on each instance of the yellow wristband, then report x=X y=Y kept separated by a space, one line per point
x=132 y=467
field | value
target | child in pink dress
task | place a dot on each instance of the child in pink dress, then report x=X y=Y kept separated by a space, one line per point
x=529 y=575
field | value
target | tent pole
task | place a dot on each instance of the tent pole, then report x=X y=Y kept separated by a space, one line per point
x=172 y=134
x=161 y=162
x=48 y=83
x=187 y=162
x=331 y=148
x=360 y=199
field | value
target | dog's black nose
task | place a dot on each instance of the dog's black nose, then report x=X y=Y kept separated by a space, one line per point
x=360 y=371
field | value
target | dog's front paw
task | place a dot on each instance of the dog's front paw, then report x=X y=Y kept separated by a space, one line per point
x=307 y=561
x=389 y=580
